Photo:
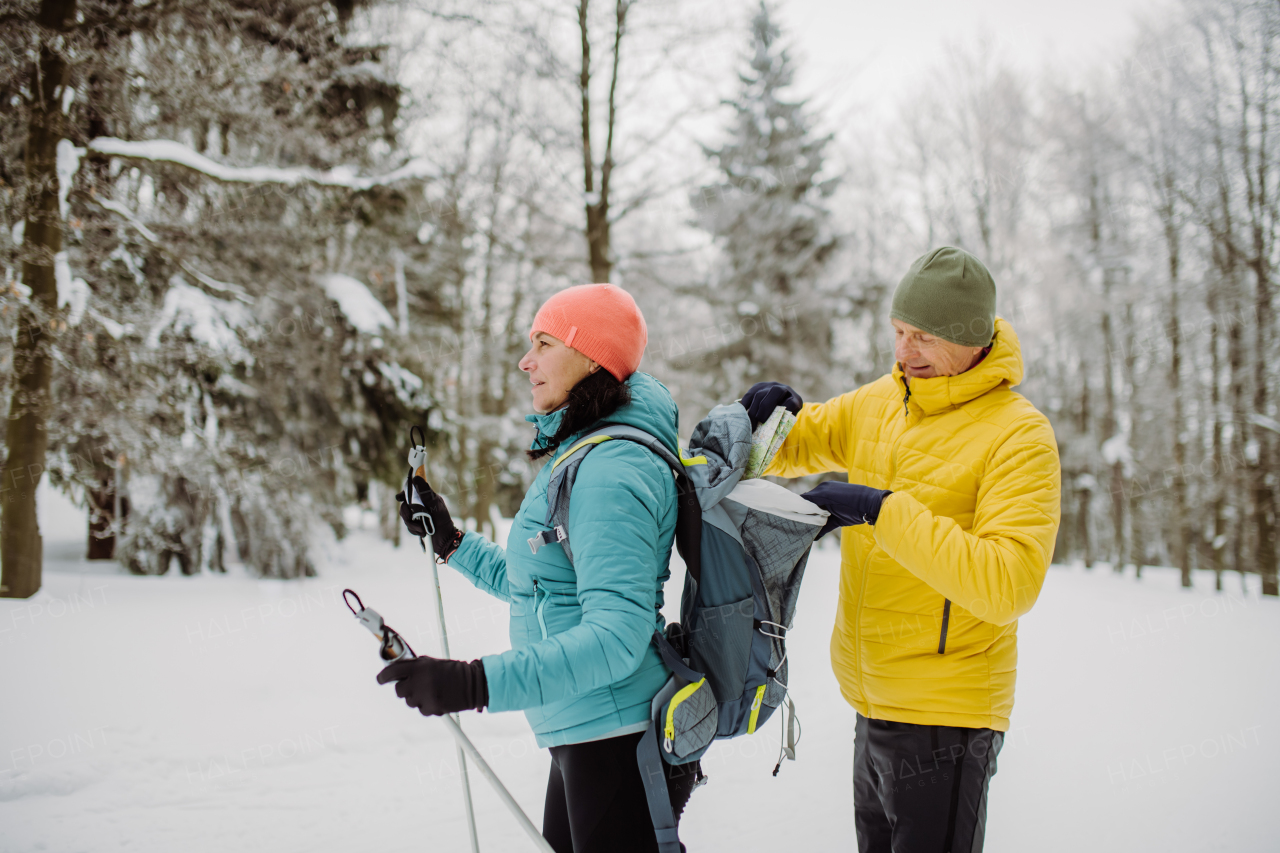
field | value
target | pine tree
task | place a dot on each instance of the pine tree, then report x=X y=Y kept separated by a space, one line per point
x=768 y=215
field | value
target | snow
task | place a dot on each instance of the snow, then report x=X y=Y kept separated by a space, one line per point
x=67 y=164
x=211 y=322
x=221 y=712
x=1116 y=449
x=360 y=307
x=71 y=291
x=166 y=150
x=117 y=207
x=1264 y=421
x=408 y=386
x=112 y=328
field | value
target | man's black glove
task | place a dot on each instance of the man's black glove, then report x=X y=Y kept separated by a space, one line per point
x=848 y=503
x=764 y=397
x=446 y=536
x=435 y=686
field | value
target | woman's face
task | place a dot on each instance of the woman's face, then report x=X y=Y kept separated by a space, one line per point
x=554 y=369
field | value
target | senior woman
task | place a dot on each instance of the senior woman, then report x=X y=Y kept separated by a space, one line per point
x=581 y=665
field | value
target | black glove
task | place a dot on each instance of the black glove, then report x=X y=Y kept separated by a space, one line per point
x=447 y=537
x=435 y=686
x=848 y=503
x=764 y=397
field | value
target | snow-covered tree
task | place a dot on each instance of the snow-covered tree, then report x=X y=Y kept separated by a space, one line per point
x=768 y=212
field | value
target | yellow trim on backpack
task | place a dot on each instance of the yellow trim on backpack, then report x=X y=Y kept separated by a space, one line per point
x=755 y=710
x=687 y=460
x=595 y=439
x=682 y=694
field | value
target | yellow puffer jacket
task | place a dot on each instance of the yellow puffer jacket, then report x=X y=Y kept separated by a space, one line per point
x=927 y=623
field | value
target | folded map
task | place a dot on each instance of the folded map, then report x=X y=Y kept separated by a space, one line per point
x=766 y=441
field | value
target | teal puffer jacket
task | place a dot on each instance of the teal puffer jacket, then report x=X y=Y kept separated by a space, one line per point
x=581 y=666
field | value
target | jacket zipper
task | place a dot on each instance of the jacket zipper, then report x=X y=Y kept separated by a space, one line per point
x=862 y=592
x=946 y=620
x=539 y=605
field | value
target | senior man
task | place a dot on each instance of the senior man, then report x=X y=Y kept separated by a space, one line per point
x=952 y=508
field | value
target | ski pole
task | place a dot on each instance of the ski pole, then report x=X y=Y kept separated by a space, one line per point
x=394 y=648
x=459 y=737
x=418 y=462
x=501 y=790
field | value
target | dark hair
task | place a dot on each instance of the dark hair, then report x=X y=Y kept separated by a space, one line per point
x=594 y=398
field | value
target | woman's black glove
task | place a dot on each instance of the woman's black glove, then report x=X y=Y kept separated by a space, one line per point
x=848 y=503
x=764 y=397
x=435 y=686
x=445 y=536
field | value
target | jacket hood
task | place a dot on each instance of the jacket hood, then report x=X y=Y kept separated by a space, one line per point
x=651 y=409
x=1003 y=365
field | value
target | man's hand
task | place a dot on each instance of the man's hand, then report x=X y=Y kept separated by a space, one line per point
x=435 y=686
x=764 y=397
x=445 y=536
x=848 y=503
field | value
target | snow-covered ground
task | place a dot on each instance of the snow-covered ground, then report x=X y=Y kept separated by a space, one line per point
x=220 y=713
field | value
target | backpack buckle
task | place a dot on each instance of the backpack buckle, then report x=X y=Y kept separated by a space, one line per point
x=546 y=537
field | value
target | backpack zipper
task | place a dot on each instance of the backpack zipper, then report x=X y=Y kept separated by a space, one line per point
x=682 y=694
x=755 y=710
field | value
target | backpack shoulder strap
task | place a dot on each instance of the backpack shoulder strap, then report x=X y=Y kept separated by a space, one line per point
x=564 y=473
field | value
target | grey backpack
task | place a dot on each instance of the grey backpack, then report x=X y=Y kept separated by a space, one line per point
x=745 y=545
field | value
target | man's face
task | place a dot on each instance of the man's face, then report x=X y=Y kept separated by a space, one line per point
x=924 y=356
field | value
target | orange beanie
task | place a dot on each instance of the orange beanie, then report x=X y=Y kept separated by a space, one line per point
x=601 y=321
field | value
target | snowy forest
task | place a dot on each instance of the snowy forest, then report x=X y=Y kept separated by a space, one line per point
x=246 y=246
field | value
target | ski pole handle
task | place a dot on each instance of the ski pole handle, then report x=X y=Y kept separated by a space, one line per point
x=417 y=453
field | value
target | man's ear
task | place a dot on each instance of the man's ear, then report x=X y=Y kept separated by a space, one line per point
x=594 y=367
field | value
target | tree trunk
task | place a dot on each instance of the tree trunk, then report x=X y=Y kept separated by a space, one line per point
x=596 y=196
x=1219 y=516
x=388 y=513
x=21 y=547
x=1236 y=456
x=102 y=516
x=1135 y=487
x=1082 y=519
x=1181 y=531
x=1111 y=431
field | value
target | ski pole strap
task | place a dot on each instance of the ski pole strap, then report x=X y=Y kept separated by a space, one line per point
x=655 y=791
x=673 y=660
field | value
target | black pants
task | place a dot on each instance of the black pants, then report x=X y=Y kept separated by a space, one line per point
x=595 y=798
x=921 y=789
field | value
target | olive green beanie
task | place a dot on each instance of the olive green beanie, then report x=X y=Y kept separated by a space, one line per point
x=948 y=293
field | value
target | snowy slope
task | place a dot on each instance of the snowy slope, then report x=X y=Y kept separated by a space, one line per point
x=216 y=713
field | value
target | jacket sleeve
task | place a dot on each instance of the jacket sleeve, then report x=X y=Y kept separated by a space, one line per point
x=484 y=564
x=820 y=441
x=621 y=525
x=996 y=570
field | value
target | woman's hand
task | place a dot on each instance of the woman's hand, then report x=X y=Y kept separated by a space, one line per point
x=435 y=686
x=429 y=518
x=764 y=397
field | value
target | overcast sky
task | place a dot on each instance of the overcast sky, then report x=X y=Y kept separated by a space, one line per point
x=863 y=53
